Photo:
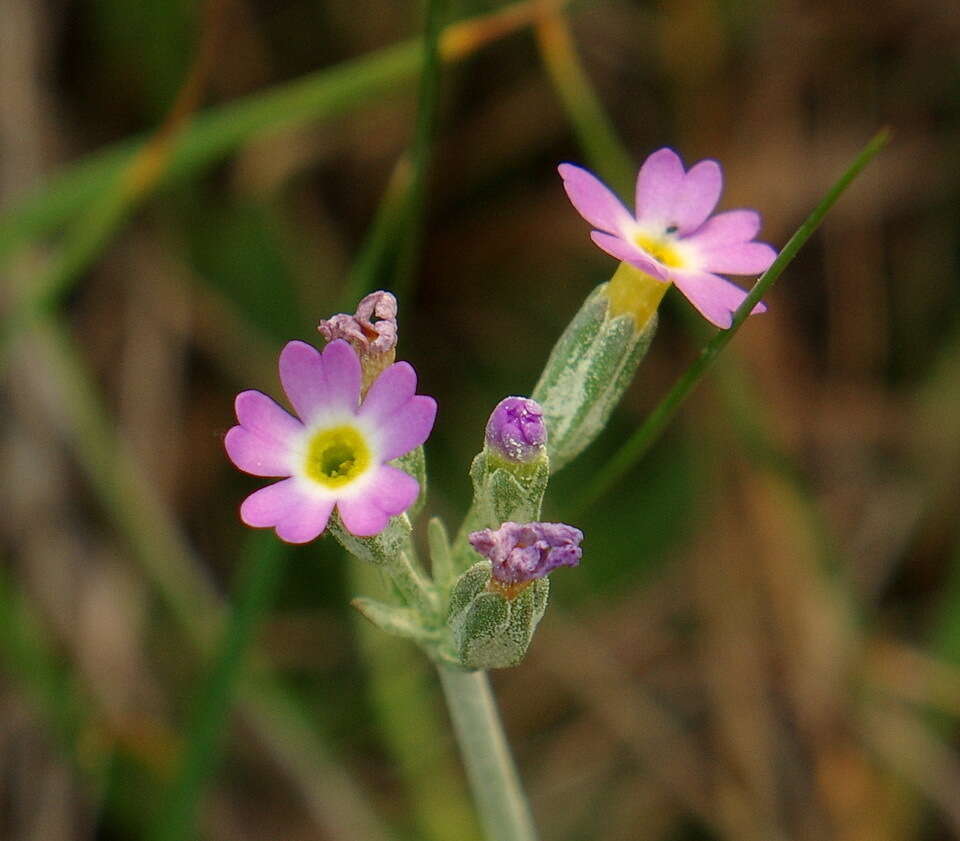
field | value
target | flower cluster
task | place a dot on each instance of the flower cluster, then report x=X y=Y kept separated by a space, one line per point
x=671 y=235
x=358 y=420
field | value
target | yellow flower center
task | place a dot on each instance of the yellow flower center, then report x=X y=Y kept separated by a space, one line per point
x=336 y=456
x=659 y=250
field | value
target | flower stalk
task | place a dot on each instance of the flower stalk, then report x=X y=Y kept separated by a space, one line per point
x=493 y=776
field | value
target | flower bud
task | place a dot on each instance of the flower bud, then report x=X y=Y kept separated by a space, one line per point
x=593 y=362
x=509 y=475
x=516 y=430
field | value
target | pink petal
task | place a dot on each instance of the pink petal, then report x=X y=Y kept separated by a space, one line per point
x=629 y=253
x=726 y=228
x=306 y=522
x=362 y=516
x=256 y=455
x=269 y=505
x=658 y=181
x=299 y=517
x=715 y=297
x=392 y=490
x=407 y=427
x=394 y=387
x=264 y=418
x=696 y=197
x=342 y=368
x=738 y=258
x=593 y=200
x=316 y=382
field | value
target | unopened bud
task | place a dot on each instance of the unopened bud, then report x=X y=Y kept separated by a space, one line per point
x=516 y=430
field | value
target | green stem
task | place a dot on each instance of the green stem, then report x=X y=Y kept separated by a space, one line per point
x=409 y=717
x=493 y=776
x=651 y=429
x=414 y=585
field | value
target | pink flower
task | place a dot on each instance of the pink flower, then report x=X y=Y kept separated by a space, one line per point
x=335 y=454
x=672 y=236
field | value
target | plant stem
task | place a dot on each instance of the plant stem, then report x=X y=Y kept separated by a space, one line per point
x=413 y=584
x=493 y=777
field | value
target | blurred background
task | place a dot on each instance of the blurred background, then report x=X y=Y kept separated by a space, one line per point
x=763 y=639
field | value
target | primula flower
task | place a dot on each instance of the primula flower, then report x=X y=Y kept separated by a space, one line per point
x=672 y=236
x=521 y=552
x=335 y=454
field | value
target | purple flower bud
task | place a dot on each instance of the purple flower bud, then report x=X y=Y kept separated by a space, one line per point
x=516 y=429
x=521 y=552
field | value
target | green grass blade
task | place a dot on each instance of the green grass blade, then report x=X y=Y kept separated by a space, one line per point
x=256 y=583
x=422 y=150
x=214 y=134
x=211 y=136
x=594 y=129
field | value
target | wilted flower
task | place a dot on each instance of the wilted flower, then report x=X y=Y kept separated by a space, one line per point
x=335 y=454
x=672 y=236
x=522 y=552
x=374 y=341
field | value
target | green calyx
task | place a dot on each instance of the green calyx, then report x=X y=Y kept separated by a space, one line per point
x=489 y=630
x=587 y=373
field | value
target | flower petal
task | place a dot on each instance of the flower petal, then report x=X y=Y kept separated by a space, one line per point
x=725 y=228
x=341 y=365
x=264 y=418
x=696 y=196
x=593 y=200
x=393 y=490
x=394 y=387
x=269 y=505
x=407 y=427
x=298 y=517
x=306 y=521
x=658 y=181
x=629 y=253
x=362 y=516
x=315 y=383
x=715 y=297
x=738 y=258
x=390 y=492
x=257 y=455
